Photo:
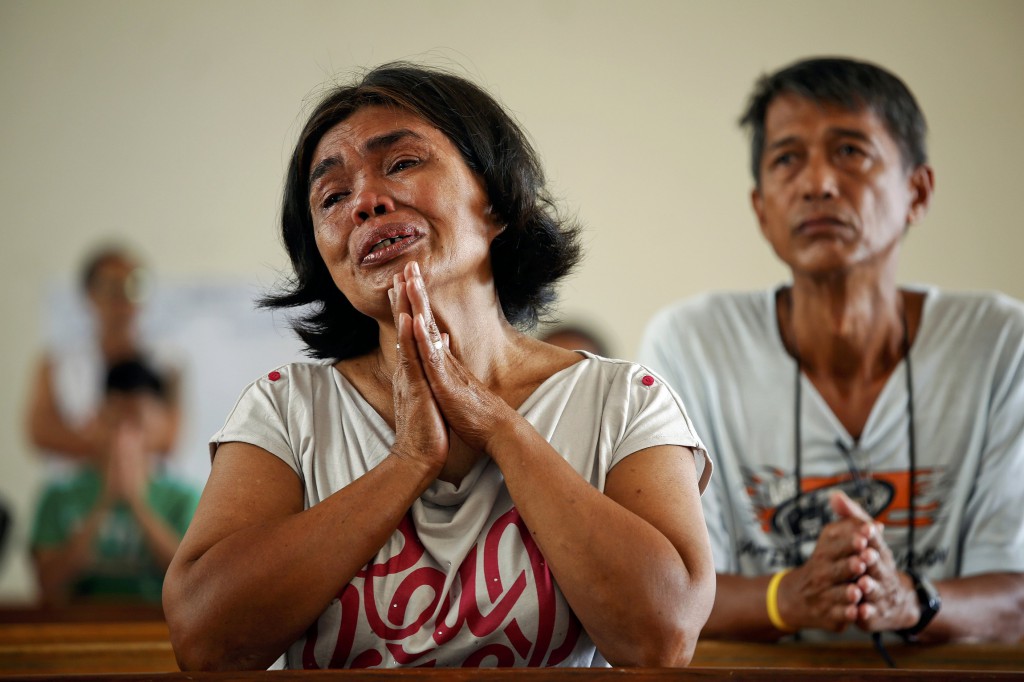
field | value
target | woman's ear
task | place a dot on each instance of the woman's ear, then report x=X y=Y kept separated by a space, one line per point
x=495 y=220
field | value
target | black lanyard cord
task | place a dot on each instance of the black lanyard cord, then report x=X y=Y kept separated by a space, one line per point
x=798 y=449
x=911 y=446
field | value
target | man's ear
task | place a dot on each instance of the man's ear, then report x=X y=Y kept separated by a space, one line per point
x=757 y=202
x=922 y=186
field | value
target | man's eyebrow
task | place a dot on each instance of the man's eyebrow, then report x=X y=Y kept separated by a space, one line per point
x=374 y=144
x=850 y=132
x=833 y=132
x=781 y=142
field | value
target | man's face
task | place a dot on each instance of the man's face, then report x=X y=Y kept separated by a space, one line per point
x=834 y=192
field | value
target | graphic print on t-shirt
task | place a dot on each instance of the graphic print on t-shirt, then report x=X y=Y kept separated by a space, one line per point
x=796 y=521
x=475 y=616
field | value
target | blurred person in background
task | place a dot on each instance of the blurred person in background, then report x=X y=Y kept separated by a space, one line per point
x=110 y=531
x=574 y=336
x=67 y=389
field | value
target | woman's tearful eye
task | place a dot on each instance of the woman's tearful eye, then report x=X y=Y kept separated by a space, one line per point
x=332 y=199
x=403 y=164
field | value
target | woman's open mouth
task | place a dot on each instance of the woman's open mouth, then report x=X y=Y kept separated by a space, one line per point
x=389 y=247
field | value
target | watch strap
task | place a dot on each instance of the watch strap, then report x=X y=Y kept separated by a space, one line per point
x=928 y=602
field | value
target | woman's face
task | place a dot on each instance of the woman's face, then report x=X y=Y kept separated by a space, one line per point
x=386 y=187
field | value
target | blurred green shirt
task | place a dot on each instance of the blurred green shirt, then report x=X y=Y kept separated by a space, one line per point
x=123 y=565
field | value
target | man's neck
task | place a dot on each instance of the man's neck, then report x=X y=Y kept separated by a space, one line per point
x=842 y=331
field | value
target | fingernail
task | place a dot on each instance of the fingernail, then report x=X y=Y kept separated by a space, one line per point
x=391 y=296
x=416 y=268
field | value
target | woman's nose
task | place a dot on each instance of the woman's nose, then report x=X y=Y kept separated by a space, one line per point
x=372 y=201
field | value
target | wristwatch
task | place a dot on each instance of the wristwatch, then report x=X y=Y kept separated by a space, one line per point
x=928 y=601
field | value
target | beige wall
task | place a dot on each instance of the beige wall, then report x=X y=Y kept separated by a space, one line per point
x=170 y=122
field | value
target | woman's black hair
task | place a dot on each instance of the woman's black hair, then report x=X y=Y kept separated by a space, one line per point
x=533 y=252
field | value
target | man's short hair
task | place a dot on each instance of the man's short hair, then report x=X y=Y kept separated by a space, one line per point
x=846 y=83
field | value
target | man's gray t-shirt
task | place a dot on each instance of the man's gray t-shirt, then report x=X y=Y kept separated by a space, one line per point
x=724 y=355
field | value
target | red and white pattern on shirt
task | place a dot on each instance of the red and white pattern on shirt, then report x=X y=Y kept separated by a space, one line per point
x=503 y=641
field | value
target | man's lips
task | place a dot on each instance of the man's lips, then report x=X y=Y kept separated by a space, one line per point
x=820 y=225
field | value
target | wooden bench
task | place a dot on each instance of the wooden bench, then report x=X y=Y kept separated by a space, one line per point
x=859 y=655
x=555 y=675
x=84 y=647
x=142 y=646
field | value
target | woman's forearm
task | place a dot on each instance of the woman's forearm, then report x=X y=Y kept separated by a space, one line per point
x=637 y=597
x=240 y=602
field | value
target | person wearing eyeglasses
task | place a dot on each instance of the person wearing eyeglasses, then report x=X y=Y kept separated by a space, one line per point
x=869 y=436
x=63 y=411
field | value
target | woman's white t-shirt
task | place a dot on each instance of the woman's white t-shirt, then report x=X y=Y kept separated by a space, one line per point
x=460 y=582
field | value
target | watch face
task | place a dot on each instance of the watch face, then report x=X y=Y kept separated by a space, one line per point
x=928 y=595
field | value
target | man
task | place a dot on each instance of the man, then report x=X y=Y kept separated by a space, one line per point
x=869 y=437
x=110 y=531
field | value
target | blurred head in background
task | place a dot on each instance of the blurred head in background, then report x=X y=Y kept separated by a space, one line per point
x=576 y=337
x=114 y=284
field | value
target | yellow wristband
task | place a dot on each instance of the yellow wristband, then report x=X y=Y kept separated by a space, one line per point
x=771 y=599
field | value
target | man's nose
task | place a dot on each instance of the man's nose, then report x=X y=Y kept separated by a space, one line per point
x=818 y=179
